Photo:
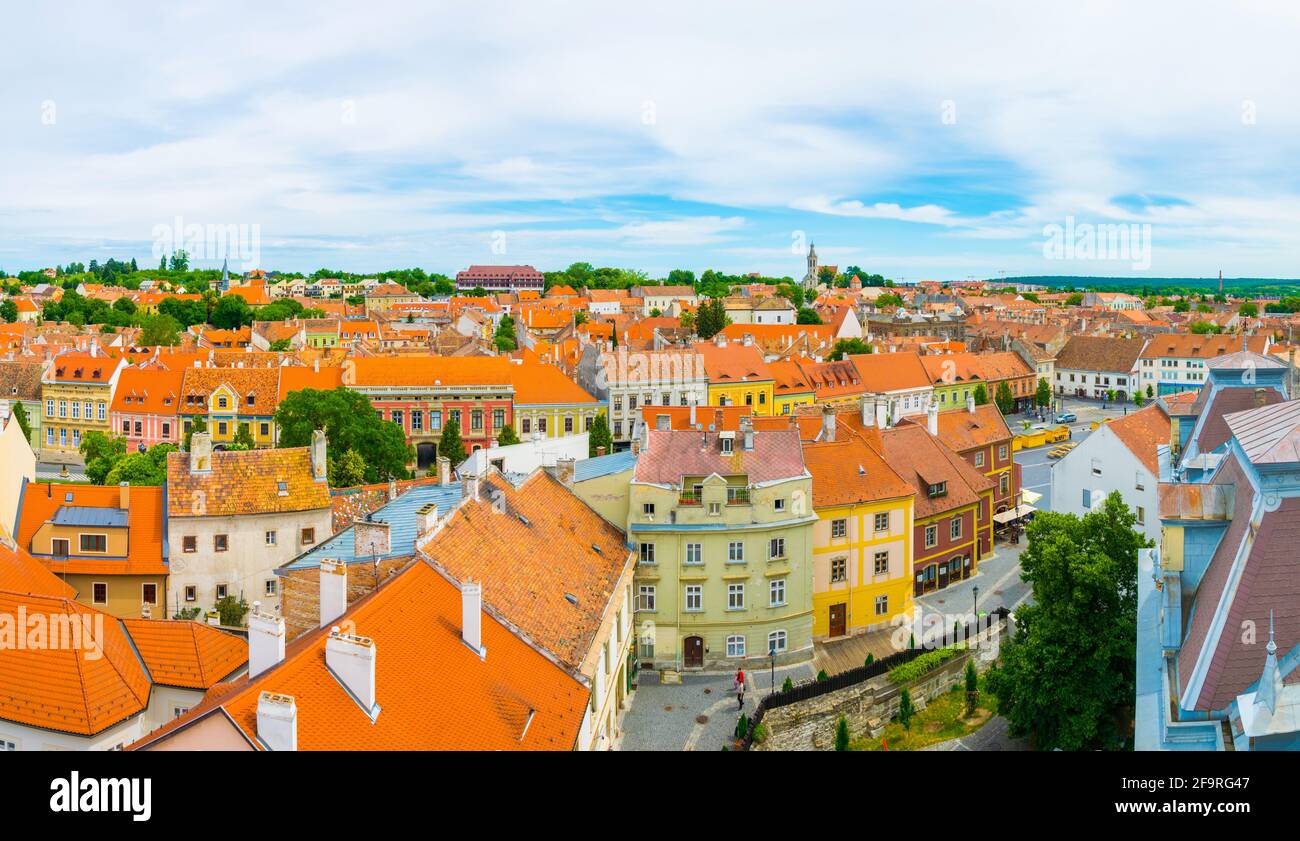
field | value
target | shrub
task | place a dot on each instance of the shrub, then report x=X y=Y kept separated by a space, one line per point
x=232 y=611
x=821 y=675
x=742 y=726
x=923 y=664
x=788 y=685
x=842 y=735
x=905 y=709
x=871 y=658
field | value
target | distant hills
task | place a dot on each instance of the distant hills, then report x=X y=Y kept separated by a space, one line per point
x=1158 y=285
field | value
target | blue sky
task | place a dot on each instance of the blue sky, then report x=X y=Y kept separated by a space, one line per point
x=930 y=142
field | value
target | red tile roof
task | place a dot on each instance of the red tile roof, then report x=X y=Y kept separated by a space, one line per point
x=1142 y=431
x=187 y=654
x=245 y=482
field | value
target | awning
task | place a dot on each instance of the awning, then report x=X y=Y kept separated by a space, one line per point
x=1012 y=514
x=1030 y=497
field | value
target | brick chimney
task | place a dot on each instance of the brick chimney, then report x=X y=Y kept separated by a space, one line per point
x=370 y=538
x=333 y=590
x=564 y=471
x=425 y=521
x=828 y=423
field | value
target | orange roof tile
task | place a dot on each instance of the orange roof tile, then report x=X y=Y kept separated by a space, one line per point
x=847 y=471
x=261 y=384
x=21 y=573
x=432 y=370
x=153 y=390
x=539 y=383
x=187 y=654
x=245 y=482
x=40 y=502
x=883 y=372
x=1142 y=431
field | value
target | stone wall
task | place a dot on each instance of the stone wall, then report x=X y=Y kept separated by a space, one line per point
x=866 y=706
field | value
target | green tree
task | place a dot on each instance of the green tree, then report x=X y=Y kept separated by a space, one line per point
x=450 y=445
x=8 y=311
x=280 y=346
x=972 y=680
x=1005 y=400
x=100 y=453
x=158 y=330
x=243 y=439
x=180 y=261
x=348 y=470
x=231 y=313
x=599 y=436
x=1249 y=310
x=849 y=347
x=808 y=316
x=1068 y=674
x=981 y=395
x=1074 y=299
x=505 y=338
x=1138 y=399
x=148 y=468
x=350 y=423
x=1043 y=394
x=198 y=425
x=507 y=436
x=711 y=318
x=906 y=709
x=20 y=416
x=842 y=734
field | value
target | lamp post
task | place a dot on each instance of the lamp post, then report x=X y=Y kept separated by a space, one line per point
x=771 y=653
x=976 y=592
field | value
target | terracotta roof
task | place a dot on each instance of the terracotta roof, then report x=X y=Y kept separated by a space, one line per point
x=245 y=482
x=467 y=702
x=949 y=368
x=679 y=417
x=187 y=654
x=832 y=379
x=298 y=377
x=733 y=363
x=60 y=687
x=1100 y=353
x=79 y=367
x=539 y=383
x=42 y=502
x=21 y=573
x=549 y=564
x=20 y=380
x=671 y=455
x=962 y=431
x=261 y=384
x=847 y=471
x=884 y=372
x=154 y=391
x=922 y=460
x=432 y=370
x=1199 y=346
x=1142 y=431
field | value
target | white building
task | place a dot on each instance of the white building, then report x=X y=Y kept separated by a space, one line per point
x=626 y=381
x=1094 y=366
x=1176 y=362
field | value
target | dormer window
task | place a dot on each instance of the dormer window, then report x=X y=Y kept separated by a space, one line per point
x=938 y=489
x=727 y=446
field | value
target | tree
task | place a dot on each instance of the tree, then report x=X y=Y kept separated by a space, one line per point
x=198 y=425
x=1068 y=676
x=348 y=470
x=599 y=436
x=20 y=416
x=1249 y=310
x=8 y=311
x=808 y=316
x=1203 y=327
x=849 y=347
x=1074 y=299
x=231 y=313
x=505 y=338
x=1006 y=402
x=280 y=346
x=159 y=330
x=1043 y=394
x=100 y=453
x=350 y=423
x=889 y=299
x=450 y=445
x=148 y=468
x=243 y=439
x=981 y=395
x=972 y=679
x=180 y=261
x=1138 y=399
x=711 y=318
x=842 y=734
x=906 y=709
x=507 y=436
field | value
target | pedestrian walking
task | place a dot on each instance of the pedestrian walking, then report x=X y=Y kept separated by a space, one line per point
x=740 y=697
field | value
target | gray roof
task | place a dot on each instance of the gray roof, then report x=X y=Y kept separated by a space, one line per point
x=1269 y=434
x=606 y=465
x=83 y=515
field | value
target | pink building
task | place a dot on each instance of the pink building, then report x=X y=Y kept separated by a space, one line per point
x=144 y=408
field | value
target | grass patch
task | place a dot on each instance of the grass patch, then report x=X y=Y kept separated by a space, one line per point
x=941 y=720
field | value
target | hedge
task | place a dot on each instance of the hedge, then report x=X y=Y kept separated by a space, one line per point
x=922 y=665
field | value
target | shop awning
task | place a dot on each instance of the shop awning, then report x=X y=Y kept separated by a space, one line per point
x=1012 y=514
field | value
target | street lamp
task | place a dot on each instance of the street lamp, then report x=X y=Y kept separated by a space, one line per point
x=771 y=652
x=976 y=592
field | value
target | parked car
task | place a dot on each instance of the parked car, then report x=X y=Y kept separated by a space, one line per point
x=1067 y=417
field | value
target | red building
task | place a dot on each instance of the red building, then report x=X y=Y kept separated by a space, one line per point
x=500 y=278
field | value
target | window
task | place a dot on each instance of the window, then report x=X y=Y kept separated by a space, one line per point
x=645 y=597
x=99 y=413
x=979 y=459
x=308 y=537
x=776 y=548
x=476 y=420
x=1087 y=499
x=397 y=417
x=735 y=646
x=776 y=592
x=715 y=509
x=190 y=543
x=191 y=593
x=736 y=551
x=99 y=593
x=694 y=598
x=694 y=553
x=735 y=597
x=839 y=528
x=776 y=642
x=498 y=418
x=568 y=424
x=938 y=489
x=222 y=428
x=270 y=537
x=76 y=410
x=648 y=510
x=882 y=605
x=931 y=536
x=49 y=408
x=955 y=531
x=1004 y=483
x=149 y=593
x=779 y=503
x=1002 y=452
x=271 y=587
x=59 y=547
x=220 y=543
x=126 y=427
x=222 y=591
x=880 y=563
x=166 y=430
x=1137 y=482
x=728 y=447
x=647 y=553
x=93 y=542
x=177 y=712
x=526 y=425
x=1096 y=467
x=63 y=408
x=1141 y=516
x=541 y=424
x=6 y=745
x=618 y=404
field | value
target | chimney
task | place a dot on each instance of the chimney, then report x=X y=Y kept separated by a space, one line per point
x=600 y=451
x=471 y=616
x=352 y=660
x=265 y=640
x=277 y=721
x=318 y=459
x=444 y=470
x=828 y=423
x=970 y=403
x=882 y=414
x=425 y=520
x=564 y=471
x=471 y=483
x=124 y=495
x=370 y=538
x=315 y=365
x=201 y=452
x=1261 y=397
x=392 y=489
x=333 y=590
x=932 y=419
x=747 y=430
x=868 y=411
x=693 y=401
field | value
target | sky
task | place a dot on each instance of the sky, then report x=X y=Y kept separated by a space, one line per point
x=917 y=140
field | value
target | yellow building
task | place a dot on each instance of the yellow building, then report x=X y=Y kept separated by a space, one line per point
x=77 y=390
x=791 y=388
x=862 y=541
x=549 y=403
x=228 y=399
x=738 y=376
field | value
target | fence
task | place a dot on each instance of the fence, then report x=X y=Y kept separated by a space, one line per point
x=808 y=690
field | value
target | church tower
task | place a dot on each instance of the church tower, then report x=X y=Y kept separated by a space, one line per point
x=810 y=280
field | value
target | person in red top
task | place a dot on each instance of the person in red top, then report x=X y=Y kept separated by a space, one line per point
x=740 y=679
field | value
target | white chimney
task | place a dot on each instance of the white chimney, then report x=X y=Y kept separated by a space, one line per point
x=265 y=640
x=315 y=366
x=277 y=721
x=882 y=414
x=932 y=419
x=970 y=403
x=471 y=486
x=444 y=470
x=201 y=452
x=471 y=615
x=425 y=520
x=352 y=660
x=868 y=412
x=693 y=401
x=333 y=590
x=828 y=423
x=319 y=461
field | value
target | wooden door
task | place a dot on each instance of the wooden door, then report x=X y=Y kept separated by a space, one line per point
x=694 y=652
x=839 y=620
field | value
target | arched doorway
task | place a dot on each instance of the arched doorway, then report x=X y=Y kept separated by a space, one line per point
x=693 y=652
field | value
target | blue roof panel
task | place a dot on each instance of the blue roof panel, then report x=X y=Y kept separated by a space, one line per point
x=607 y=465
